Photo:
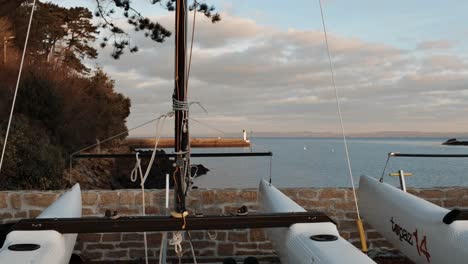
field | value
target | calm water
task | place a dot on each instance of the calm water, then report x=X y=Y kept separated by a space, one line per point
x=319 y=162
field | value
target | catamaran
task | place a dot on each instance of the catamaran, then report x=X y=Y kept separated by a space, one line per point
x=45 y=246
x=306 y=243
x=423 y=231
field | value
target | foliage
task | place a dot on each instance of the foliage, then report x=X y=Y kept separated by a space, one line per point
x=106 y=12
x=31 y=160
x=59 y=36
x=56 y=114
x=120 y=39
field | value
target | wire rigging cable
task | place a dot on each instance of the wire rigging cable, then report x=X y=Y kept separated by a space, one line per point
x=137 y=171
x=17 y=86
x=338 y=106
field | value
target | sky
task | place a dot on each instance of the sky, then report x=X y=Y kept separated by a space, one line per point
x=399 y=66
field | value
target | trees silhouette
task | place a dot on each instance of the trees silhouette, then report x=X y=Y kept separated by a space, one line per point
x=109 y=12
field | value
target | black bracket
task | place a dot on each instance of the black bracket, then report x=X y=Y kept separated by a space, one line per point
x=455 y=215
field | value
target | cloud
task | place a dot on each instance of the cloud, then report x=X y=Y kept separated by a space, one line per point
x=435 y=44
x=263 y=78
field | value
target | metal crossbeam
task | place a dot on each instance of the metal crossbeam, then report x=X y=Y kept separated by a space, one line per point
x=167 y=223
x=396 y=154
x=193 y=155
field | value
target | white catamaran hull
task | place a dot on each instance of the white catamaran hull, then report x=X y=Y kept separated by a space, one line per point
x=294 y=245
x=412 y=224
x=45 y=247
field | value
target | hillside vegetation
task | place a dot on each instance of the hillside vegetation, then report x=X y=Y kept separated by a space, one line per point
x=62 y=104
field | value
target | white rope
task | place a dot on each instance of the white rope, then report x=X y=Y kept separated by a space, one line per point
x=184 y=105
x=176 y=241
x=133 y=177
x=339 y=110
x=162 y=255
x=17 y=84
x=194 y=257
x=213 y=235
x=137 y=170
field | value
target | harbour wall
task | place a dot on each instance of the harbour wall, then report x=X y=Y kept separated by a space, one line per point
x=338 y=203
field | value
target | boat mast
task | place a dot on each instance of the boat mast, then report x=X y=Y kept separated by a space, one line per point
x=182 y=141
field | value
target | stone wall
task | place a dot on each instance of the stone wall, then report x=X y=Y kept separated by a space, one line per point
x=336 y=202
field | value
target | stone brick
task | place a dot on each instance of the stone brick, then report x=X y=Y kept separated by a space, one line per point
x=455 y=193
x=246 y=252
x=435 y=201
x=88 y=198
x=92 y=246
x=227 y=197
x=208 y=197
x=256 y=235
x=154 y=238
x=87 y=212
x=462 y=202
x=152 y=210
x=220 y=235
x=132 y=244
x=39 y=199
x=350 y=215
x=426 y=194
x=132 y=237
x=225 y=249
x=347 y=225
x=131 y=211
x=139 y=253
x=5 y=216
x=21 y=214
x=207 y=252
x=345 y=205
x=111 y=237
x=127 y=198
x=373 y=235
x=139 y=201
x=451 y=203
x=212 y=211
x=291 y=193
x=15 y=201
x=235 y=236
x=108 y=199
x=193 y=203
x=265 y=246
x=245 y=246
x=307 y=194
x=116 y=254
x=332 y=194
x=197 y=235
x=311 y=204
x=3 y=200
x=92 y=255
x=248 y=196
x=90 y=237
x=34 y=213
x=203 y=244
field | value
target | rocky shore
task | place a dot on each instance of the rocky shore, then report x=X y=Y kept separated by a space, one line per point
x=114 y=173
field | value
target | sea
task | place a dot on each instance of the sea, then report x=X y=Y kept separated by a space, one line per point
x=321 y=162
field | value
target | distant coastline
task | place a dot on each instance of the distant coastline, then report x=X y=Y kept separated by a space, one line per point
x=306 y=134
